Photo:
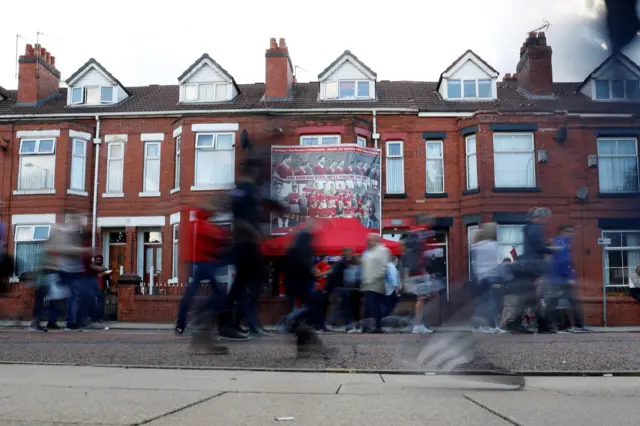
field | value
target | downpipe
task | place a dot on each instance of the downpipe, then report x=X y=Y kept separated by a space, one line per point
x=96 y=142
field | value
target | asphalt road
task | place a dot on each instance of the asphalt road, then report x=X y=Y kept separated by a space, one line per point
x=561 y=352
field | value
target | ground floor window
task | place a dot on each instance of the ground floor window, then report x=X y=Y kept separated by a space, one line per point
x=510 y=238
x=29 y=245
x=621 y=256
x=176 y=253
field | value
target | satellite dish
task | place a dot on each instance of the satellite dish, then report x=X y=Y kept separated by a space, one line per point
x=244 y=139
x=562 y=134
x=583 y=193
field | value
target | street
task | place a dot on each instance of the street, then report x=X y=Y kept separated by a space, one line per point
x=54 y=395
x=602 y=352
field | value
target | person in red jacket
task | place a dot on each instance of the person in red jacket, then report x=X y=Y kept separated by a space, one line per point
x=204 y=248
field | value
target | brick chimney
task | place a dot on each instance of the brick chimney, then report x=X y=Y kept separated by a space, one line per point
x=279 y=79
x=38 y=78
x=534 y=72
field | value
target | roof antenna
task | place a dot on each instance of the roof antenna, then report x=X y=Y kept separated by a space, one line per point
x=296 y=68
x=545 y=27
x=18 y=37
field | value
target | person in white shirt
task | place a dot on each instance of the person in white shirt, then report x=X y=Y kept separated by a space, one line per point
x=374 y=272
x=486 y=272
x=392 y=286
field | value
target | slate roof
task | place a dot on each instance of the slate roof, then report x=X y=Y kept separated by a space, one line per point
x=421 y=96
x=4 y=93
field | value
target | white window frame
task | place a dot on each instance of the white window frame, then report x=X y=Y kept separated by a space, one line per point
x=471 y=157
x=110 y=159
x=113 y=93
x=175 y=252
x=387 y=156
x=215 y=85
x=610 y=81
x=532 y=161
x=145 y=190
x=28 y=154
x=17 y=241
x=361 y=141
x=81 y=90
x=605 y=259
x=176 y=169
x=320 y=139
x=82 y=157
x=355 y=81
x=472 y=229
x=212 y=186
x=461 y=81
x=636 y=156
x=427 y=159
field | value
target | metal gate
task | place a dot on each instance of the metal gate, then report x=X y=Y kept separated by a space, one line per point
x=111 y=304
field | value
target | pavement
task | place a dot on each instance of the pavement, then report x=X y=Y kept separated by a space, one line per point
x=590 y=353
x=64 y=395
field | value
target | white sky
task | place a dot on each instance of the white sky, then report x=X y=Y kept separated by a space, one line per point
x=143 y=42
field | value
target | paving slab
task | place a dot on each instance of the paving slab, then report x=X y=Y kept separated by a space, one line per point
x=588 y=386
x=90 y=405
x=422 y=384
x=336 y=410
x=540 y=408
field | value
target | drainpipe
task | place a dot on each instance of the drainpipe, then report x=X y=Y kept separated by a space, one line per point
x=375 y=135
x=96 y=143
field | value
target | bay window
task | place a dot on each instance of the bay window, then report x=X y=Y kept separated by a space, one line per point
x=151 y=182
x=618 y=165
x=37 y=164
x=29 y=245
x=115 y=167
x=621 y=256
x=472 y=162
x=215 y=161
x=78 y=164
x=435 y=167
x=320 y=140
x=513 y=160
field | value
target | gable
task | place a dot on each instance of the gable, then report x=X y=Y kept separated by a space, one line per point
x=347 y=70
x=205 y=73
x=469 y=70
x=348 y=65
x=621 y=68
x=93 y=75
x=469 y=63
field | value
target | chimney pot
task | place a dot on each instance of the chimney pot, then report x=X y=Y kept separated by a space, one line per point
x=28 y=50
x=279 y=72
x=507 y=76
x=283 y=44
x=534 y=70
x=36 y=82
x=53 y=61
x=273 y=44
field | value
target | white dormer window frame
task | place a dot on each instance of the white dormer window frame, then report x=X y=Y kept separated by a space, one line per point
x=474 y=94
x=83 y=94
x=197 y=86
x=333 y=88
x=625 y=89
x=471 y=90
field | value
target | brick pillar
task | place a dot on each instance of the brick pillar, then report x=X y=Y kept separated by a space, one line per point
x=127 y=285
x=132 y=250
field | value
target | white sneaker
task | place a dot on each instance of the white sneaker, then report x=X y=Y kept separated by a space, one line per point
x=482 y=330
x=426 y=330
x=355 y=331
x=421 y=329
x=498 y=330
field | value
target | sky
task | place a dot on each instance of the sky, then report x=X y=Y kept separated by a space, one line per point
x=142 y=42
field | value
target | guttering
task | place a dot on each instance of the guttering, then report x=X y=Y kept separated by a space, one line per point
x=96 y=143
x=475 y=113
x=602 y=115
x=375 y=128
x=209 y=111
x=446 y=114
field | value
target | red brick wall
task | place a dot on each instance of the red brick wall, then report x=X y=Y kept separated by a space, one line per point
x=37 y=76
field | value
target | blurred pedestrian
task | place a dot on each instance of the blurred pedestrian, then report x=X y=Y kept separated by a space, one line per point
x=374 y=272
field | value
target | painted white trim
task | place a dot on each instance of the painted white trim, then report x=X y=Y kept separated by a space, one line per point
x=470 y=56
x=22 y=134
x=347 y=58
x=76 y=192
x=115 y=138
x=177 y=132
x=86 y=70
x=446 y=114
x=214 y=187
x=113 y=195
x=257 y=111
x=152 y=137
x=124 y=221
x=79 y=135
x=33 y=219
x=215 y=127
x=149 y=194
x=174 y=190
x=174 y=218
x=34 y=192
x=203 y=62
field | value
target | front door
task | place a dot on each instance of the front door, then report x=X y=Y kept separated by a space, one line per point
x=152 y=263
x=117 y=261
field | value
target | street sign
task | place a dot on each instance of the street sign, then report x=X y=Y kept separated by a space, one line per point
x=604 y=241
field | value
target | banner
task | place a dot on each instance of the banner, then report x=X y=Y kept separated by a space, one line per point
x=325 y=182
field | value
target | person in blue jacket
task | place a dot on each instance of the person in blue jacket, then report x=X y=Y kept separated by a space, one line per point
x=562 y=279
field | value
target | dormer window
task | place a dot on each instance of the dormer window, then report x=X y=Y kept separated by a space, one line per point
x=617 y=89
x=206 y=92
x=92 y=95
x=469 y=89
x=347 y=78
x=468 y=78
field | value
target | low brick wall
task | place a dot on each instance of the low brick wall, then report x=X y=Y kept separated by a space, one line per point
x=16 y=302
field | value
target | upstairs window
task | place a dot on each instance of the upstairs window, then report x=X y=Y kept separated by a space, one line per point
x=215 y=160
x=320 y=140
x=395 y=167
x=176 y=181
x=151 y=181
x=469 y=89
x=37 y=164
x=347 y=89
x=617 y=89
x=92 y=95
x=361 y=141
x=115 y=167
x=472 y=162
x=513 y=160
x=78 y=164
x=435 y=167
x=205 y=92
x=618 y=165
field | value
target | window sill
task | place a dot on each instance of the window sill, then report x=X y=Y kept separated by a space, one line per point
x=471 y=191
x=214 y=187
x=618 y=194
x=149 y=194
x=113 y=195
x=76 y=192
x=395 y=196
x=507 y=190
x=34 y=192
x=174 y=190
x=436 y=195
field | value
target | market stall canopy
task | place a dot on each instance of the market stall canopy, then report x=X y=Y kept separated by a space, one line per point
x=333 y=236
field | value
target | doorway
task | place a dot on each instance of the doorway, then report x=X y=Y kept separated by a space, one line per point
x=151 y=261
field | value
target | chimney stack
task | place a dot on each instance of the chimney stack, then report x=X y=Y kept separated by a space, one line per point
x=534 y=71
x=38 y=78
x=279 y=72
